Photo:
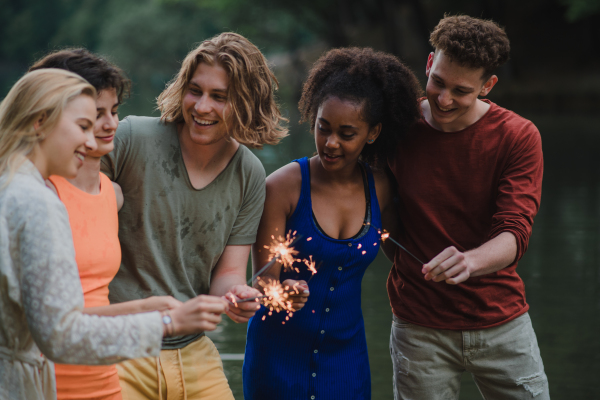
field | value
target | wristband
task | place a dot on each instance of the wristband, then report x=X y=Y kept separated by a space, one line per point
x=168 y=322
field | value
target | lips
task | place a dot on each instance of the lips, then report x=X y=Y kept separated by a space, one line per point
x=331 y=157
x=106 y=138
x=203 y=122
x=444 y=110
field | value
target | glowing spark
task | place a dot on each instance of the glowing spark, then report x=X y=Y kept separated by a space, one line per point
x=385 y=235
x=281 y=249
x=277 y=298
x=309 y=239
x=359 y=246
x=264 y=316
x=364 y=252
x=311 y=265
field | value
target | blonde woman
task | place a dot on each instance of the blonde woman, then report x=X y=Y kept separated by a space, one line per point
x=194 y=195
x=46 y=128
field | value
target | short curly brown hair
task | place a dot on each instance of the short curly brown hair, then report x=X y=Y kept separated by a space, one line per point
x=256 y=117
x=388 y=90
x=472 y=42
x=98 y=71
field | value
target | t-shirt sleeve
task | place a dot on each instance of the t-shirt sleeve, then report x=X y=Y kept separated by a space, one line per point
x=520 y=188
x=112 y=163
x=245 y=226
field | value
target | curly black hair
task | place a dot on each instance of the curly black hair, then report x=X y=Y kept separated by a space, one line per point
x=388 y=90
x=472 y=42
x=99 y=72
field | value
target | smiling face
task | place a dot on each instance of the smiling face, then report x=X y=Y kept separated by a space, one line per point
x=65 y=147
x=452 y=93
x=107 y=121
x=205 y=106
x=341 y=133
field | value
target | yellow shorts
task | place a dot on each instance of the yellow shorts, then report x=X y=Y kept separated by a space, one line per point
x=194 y=372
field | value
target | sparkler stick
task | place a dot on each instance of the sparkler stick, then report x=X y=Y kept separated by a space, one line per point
x=386 y=236
x=257 y=298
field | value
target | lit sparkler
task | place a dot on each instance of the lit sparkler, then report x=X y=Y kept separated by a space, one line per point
x=281 y=248
x=277 y=298
x=386 y=236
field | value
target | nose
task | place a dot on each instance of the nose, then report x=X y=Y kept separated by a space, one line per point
x=444 y=98
x=203 y=105
x=332 y=142
x=90 y=141
x=111 y=123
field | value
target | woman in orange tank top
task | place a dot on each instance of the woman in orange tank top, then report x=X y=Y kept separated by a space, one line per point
x=92 y=202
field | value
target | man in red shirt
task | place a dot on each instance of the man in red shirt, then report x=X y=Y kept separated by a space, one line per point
x=469 y=182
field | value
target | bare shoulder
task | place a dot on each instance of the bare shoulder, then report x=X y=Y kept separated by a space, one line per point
x=284 y=186
x=119 y=194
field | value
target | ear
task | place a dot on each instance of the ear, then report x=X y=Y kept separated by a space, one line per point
x=429 y=63
x=488 y=85
x=374 y=133
x=37 y=124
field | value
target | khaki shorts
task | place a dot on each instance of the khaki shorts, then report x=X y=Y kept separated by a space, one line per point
x=194 y=372
x=504 y=361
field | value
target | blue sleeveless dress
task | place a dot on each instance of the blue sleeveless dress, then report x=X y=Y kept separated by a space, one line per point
x=321 y=352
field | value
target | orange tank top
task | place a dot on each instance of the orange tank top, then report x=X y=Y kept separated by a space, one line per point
x=95 y=226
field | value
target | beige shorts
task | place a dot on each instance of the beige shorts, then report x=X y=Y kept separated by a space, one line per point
x=194 y=372
x=504 y=361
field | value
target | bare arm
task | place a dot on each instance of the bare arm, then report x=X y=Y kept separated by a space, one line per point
x=154 y=303
x=453 y=266
x=229 y=280
x=283 y=191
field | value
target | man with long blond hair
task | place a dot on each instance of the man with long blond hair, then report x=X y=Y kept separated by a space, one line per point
x=194 y=196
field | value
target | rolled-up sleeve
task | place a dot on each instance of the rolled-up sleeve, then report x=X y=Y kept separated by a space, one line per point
x=520 y=188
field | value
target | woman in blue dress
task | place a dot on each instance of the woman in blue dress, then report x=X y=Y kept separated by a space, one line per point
x=360 y=103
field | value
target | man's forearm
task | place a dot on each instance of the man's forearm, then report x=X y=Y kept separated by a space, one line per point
x=494 y=255
x=221 y=284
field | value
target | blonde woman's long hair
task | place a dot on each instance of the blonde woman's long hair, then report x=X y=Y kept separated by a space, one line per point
x=39 y=96
x=255 y=117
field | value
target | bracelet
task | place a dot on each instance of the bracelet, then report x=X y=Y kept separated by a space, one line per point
x=168 y=322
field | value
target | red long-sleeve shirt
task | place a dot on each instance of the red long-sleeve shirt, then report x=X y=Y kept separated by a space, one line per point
x=462 y=189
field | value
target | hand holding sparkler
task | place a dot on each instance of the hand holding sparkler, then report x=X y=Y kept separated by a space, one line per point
x=241 y=310
x=297 y=292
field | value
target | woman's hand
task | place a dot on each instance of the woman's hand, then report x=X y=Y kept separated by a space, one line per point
x=298 y=292
x=202 y=313
x=159 y=303
x=242 y=312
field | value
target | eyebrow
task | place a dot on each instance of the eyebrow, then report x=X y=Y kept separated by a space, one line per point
x=192 y=83
x=84 y=119
x=467 y=88
x=118 y=103
x=321 y=119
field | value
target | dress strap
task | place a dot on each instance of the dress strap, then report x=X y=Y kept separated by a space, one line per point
x=375 y=211
x=304 y=202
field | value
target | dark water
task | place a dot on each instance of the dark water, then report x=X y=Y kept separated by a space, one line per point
x=561 y=270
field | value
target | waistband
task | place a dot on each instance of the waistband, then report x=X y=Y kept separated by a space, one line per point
x=45 y=369
x=22 y=356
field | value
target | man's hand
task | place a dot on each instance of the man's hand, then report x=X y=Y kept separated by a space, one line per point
x=450 y=266
x=242 y=312
x=298 y=292
x=453 y=266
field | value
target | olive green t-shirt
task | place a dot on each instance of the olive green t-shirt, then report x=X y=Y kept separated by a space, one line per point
x=171 y=234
